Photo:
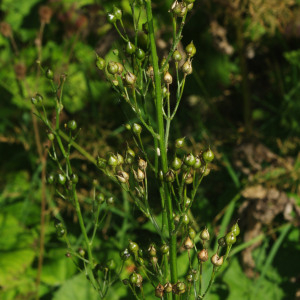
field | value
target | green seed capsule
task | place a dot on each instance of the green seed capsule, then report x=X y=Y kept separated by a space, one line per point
x=197 y=164
x=74 y=178
x=130 y=48
x=111 y=18
x=222 y=241
x=208 y=156
x=164 y=249
x=190 y=160
x=187 y=68
x=49 y=74
x=133 y=247
x=130 y=78
x=112 y=68
x=101 y=162
x=204 y=235
x=192 y=233
x=185 y=219
x=177 y=56
x=100 y=63
x=112 y=160
x=51 y=136
x=230 y=238
x=176 y=163
x=51 y=179
x=170 y=176
x=61 y=178
x=179 y=143
x=140 y=54
x=235 y=229
x=137 y=128
x=125 y=255
x=72 y=125
x=190 y=49
x=117 y=12
x=133 y=278
x=100 y=198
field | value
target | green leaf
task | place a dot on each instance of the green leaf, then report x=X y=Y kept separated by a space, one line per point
x=13 y=264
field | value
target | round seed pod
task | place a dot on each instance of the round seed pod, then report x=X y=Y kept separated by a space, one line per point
x=216 y=260
x=202 y=255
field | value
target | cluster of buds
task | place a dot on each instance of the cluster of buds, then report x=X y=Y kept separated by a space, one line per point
x=189 y=164
x=180 y=9
x=177 y=288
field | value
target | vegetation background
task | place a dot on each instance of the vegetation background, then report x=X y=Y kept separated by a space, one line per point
x=243 y=99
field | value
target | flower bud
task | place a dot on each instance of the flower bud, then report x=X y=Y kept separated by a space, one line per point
x=81 y=252
x=202 y=255
x=133 y=278
x=216 y=260
x=159 y=291
x=61 y=178
x=187 y=68
x=197 y=164
x=168 y=78
x=190 y=160
x=204 y=235
x=179 y=9
x=125 y=255
x=140 y=54
x=130 y=48
x=101 y=162
x=72 y=125
x=100 y=198
x=187 y=202
x=188 y=177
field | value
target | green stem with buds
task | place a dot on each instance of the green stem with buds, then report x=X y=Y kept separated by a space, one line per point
x=163 y=152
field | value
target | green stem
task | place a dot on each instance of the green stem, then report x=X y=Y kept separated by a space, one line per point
x=163 y=152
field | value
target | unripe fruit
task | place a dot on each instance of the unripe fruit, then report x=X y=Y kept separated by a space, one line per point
x=100 y=198
x=122 y=176
x=112 y=160
x=235 y=229
x=166 y=68
x=110 y=201
x=137 y=128
x=176 y=163
x=120 y=68
x=190 y=49
x=168 y=78
x=101 y=162
x=179 y=143
x=61 y=178
x=197 y=164
x=130 y=78
x=188 y=178
x=168 y=287
x=120 y=159
x=49 y=74
x=164 y=249
x=142 y=164
x=140 y=54
x=187 y=202
x=139 y=175
x=188 y=243
x=204 y=235
x=130 y=48
x=208 y=156
x=187 y=68
x=180 y=287
x=117 y=12
x=190 y=160
x=133 y=278
x=185 y=219
x=111 y=18
x=81 y=252
x=50 y=178
x=74 y=178
x=230 y=238
x=202 y=255
x=112 y=68
x=216 y=260
x=192 y=233
x=100 y=63
x=133 y=247
x=152 y=250
x=72 y=125
x=177 y=56
x=51 y=136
